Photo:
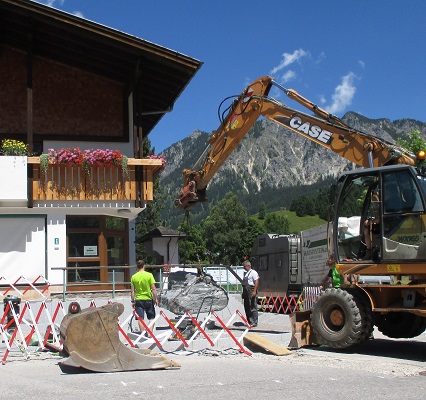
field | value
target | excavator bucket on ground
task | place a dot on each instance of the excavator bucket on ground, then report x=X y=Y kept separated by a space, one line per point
x=90 y=339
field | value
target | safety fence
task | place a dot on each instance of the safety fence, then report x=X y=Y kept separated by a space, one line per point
x=185 y=330
x=287 y=304
x=22 y=285
x=23 y=331
x=220 y=274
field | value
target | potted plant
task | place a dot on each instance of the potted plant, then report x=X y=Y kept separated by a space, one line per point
x=75 y=157
x=11 y=147
x=13 y=167
x=158 y=157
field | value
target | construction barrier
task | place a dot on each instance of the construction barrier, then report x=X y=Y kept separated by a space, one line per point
x=279 y=304
x=23 y=331
x=288 y=304
x=149 y=338
x=309 y=297
x=27 y=285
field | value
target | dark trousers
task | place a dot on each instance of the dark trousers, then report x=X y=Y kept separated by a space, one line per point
x=250 y=305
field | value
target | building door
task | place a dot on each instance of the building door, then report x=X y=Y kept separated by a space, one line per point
x=94 y=244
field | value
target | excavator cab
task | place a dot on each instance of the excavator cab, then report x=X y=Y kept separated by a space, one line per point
x=380 y=215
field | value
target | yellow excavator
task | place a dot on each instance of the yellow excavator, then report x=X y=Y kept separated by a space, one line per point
x=385 y=201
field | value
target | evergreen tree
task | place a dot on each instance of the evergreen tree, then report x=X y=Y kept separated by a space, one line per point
x=254 y=229
x=262 y=210
x=275 y=223
x=226 y=231
x=193 y=249
x=322 y=203
x=310 y=205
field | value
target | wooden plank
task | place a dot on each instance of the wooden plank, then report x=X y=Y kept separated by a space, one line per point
x=68 y=183
x=114 y=182
x=253 y=339
x=36 y=180
x=148 y=184
x=50 y=182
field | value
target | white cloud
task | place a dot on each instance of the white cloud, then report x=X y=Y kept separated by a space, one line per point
x=51 y=3
x=288 y=76
x=343 y=94
x=320 y=58
x=288 y=59
x=60 y=3
x=362 y=63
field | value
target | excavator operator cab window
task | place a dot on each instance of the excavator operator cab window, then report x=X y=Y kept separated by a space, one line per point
x=403 y=233
x=359 y=199
x=380 y=217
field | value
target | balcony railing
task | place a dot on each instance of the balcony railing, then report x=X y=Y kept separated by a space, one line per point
x=98 y=183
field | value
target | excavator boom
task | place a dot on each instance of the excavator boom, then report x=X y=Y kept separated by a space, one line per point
x=323 y=128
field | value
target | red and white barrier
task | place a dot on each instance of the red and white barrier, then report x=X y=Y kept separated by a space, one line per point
x=22 y=281
x=20 y=339
x=292 y=303
x=280 y=304
x=149 y=337
x=19 y=329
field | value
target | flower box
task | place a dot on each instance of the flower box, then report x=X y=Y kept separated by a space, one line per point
x=13 y=178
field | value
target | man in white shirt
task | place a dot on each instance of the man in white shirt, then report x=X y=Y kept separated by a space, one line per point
x=250 y=285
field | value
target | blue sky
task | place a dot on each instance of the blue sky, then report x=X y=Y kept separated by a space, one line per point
x=367 y=56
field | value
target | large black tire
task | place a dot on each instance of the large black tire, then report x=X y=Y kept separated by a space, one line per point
x=400 y=325
x=336 y=319
x=367 y=318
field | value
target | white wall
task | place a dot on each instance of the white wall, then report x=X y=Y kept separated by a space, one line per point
x=22 y=247
x=132 y=244
x=168 y=247
x=56 y=245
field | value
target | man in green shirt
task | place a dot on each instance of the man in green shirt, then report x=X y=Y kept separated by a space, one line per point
x=333 y=273
x=144 y=293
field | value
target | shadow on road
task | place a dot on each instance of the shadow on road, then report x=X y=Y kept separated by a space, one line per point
x=402 y=349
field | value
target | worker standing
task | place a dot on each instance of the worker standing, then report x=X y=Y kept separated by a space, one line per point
x=250 y=286
x=143 y=293
x=336 y=278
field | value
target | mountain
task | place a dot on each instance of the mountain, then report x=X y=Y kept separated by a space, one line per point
x=271 y=165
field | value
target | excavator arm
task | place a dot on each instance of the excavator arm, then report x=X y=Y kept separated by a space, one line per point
x=323 y=128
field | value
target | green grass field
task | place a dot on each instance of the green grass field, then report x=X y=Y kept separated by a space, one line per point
x=298 y=224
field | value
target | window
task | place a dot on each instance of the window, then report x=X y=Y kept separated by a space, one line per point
x=94 y=244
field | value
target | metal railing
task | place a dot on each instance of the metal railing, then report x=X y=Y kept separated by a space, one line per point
x=84 y=283
x=220 y=274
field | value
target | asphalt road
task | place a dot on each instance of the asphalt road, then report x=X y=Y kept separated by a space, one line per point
x=378 y=369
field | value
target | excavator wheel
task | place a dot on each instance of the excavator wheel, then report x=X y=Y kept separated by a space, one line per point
x=336 y=319
x=400 y=325
x=367 y=319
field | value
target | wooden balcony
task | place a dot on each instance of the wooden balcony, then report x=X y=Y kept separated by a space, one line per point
x=100 y=183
